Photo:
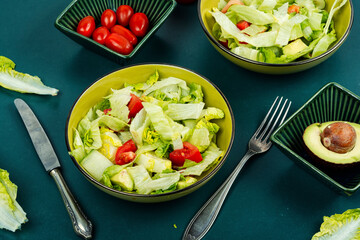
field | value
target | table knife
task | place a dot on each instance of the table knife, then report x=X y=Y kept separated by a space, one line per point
x=82 y=226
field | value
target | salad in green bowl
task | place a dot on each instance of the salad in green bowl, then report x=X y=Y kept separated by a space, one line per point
x=149 y=138
x=275 y=31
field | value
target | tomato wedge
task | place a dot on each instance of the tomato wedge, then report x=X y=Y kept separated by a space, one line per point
x=189 y=152
x=125 y=157
x=134 y=105
x=293 y=8
x=129 y=146
x=243 y=24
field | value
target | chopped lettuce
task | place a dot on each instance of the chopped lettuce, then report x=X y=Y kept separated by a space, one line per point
x=340 y=226
x=118 y=103
x=21 y=82
x=212 y=113
x=11 y=213
x=179 y=111
x=159 y=120
x=79 y=149
x=173 y=113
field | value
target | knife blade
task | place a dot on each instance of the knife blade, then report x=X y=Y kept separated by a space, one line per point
x=82 y=226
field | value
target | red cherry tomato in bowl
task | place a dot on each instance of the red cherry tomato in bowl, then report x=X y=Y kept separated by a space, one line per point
x=125 y=33
x=124 y=13
x=86 y=26
x=139 y=24
x=100 y=34
x=118 y=44
x=108 y=18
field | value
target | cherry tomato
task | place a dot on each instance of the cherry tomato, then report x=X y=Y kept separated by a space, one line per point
x=293 y=8
x=134 y=105
x=189 y=152
x=224 y=43
x=108 y=18
x=125 y=158
x=124 y=13
x=139 y=24
x=243 y=24
x=100 y=34
x=118 y=44
x=125 y=33
x=129 y=146
x=106 y=111
x=86 y=26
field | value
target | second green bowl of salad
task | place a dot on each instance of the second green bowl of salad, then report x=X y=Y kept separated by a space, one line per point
x=150 y=133
x=276 y=36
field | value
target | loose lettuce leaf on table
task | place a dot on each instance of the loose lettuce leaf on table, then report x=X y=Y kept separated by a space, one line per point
x=21 y=82
x=11 y=213
x=340 y=226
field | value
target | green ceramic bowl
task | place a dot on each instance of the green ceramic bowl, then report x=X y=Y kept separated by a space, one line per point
x=343 y=22
x=138 y=73
x=156 y=10
x=331 y=103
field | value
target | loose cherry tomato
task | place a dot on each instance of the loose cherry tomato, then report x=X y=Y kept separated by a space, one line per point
x=125 y=33
x=129 y=146
x=118 y=44
x=86 y=26
x=293 y=8
x=243 y=24
x=139 y=24
x=189 y=152
x=100 y=34
x=134 y=105
x=125 y=158
x=124 y=13
x=108 y=18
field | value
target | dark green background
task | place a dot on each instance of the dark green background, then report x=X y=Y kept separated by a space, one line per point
x=271 y=199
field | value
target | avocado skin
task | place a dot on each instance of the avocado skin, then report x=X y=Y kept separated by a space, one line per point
x=333 y=168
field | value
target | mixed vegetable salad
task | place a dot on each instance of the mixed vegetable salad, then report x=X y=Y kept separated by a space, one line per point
x=275 y=31
x=149 y=138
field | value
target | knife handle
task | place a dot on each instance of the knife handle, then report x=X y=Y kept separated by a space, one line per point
x=82 y=226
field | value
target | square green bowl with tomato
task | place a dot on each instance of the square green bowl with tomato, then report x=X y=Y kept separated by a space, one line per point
x=67 y=22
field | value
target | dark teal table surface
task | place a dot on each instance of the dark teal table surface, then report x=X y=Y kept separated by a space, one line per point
x=271 y=199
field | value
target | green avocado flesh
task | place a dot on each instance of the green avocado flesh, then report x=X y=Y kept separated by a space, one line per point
x=313 y=142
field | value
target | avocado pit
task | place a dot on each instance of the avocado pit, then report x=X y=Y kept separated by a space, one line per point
x=339 y=137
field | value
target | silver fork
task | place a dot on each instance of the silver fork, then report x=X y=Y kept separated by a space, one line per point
x=201 y=223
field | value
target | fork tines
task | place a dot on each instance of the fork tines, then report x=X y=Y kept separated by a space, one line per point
x=274 y=119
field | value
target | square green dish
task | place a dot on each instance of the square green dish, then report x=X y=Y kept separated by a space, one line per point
x=157 y=12
x=332 y=102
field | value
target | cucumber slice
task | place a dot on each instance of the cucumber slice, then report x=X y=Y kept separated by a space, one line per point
x=95 y=163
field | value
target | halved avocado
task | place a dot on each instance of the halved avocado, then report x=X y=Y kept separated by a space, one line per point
x=327 y=158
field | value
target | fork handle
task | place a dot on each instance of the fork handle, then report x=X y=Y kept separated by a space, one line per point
x=201 y=223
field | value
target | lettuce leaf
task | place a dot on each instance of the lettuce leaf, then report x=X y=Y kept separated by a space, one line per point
x=21 y=82
x=11 y=213
x=340 y=226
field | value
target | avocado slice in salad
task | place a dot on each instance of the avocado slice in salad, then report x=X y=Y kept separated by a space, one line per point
x=124 y=180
